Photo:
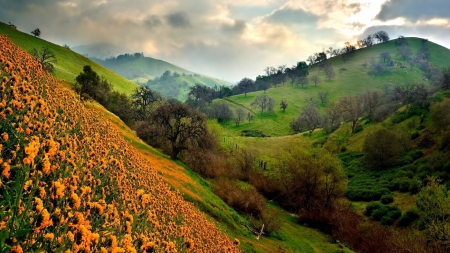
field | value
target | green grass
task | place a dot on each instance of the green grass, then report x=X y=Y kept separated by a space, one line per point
x=69 y=63
x=352 y=81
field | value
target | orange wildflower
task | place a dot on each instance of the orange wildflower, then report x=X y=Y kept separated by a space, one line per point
x=6 y=172
x=16 y=249
x=5 y=137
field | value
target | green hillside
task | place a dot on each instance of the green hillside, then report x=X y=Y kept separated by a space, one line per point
x=69 y=63
x=353 y=80
x=141 y=70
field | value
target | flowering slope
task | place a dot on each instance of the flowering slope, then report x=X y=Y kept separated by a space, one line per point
x=70 y=183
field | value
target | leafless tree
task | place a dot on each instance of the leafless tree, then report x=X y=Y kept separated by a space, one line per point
x=385 y=56
x=328 y=69
x=372 y=100
x=351 y=109
x=240 y=114
x=309 y=119
x=404 y=51
x=263 y=102
x=315 y=80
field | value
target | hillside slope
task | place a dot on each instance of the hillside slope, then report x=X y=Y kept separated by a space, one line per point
x=69 y=63
x=70 y=181
x=353 y=80
x=141 y=69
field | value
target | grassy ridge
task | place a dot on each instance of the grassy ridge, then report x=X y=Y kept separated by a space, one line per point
x=352 y=81
x=70 y=63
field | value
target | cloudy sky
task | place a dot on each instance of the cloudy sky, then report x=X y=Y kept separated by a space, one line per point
x=224 y=38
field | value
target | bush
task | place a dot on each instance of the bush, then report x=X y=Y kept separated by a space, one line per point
x=387 y=199
x=358 y=194
x=414 y=187
x=408 y=217
x=387 y=215
x=414 y=135
x=382 y=149
x=248 y=201
x=270 y=218
x=372 y=206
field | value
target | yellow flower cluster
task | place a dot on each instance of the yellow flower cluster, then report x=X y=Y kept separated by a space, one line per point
x=71 y=183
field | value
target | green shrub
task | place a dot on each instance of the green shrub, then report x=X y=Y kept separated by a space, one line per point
x=415 y=154
x=387 y=199
x=408 y=217
x=358 y=194
x=414 y=187
x=387 y=215
x=414 y=135
x=372 y=206
x=403 y=184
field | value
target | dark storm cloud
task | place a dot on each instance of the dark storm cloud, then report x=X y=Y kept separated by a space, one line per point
x=178 y=19
x=290 y=16
x=414 y=10
x=237 y=27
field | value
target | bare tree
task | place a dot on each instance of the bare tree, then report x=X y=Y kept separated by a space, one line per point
x=404 y=52
x=332 y=119
x=263 y=102
x=315 y=80
x=283 y=105
x=385 y=56
x=445 y=78
x=45 y=57
x=309 y=119
x=372 y=100
x=219 y=111
x=240 y=114
x=249 y=116
x=351 y=109
x=323 y=96
x=329 y=71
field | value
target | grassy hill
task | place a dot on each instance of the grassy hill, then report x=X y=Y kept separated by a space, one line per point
x=69 y=63
x=353 y=80
x=86 y=182
x=141 y=69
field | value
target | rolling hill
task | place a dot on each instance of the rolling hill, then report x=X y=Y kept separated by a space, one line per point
x=86 y=182
x=353 y=80
x=142 y=70
x=69 y=63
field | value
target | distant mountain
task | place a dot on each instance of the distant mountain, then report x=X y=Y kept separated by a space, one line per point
x=146 y=71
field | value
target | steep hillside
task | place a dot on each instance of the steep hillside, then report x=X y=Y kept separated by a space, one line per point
x=142 y=70
x=353 y=80
x=70 y=181
x=69 y=63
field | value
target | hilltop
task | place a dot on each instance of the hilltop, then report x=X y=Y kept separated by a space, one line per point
x=145 y=70
x=69 y=63
x=354 y=79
